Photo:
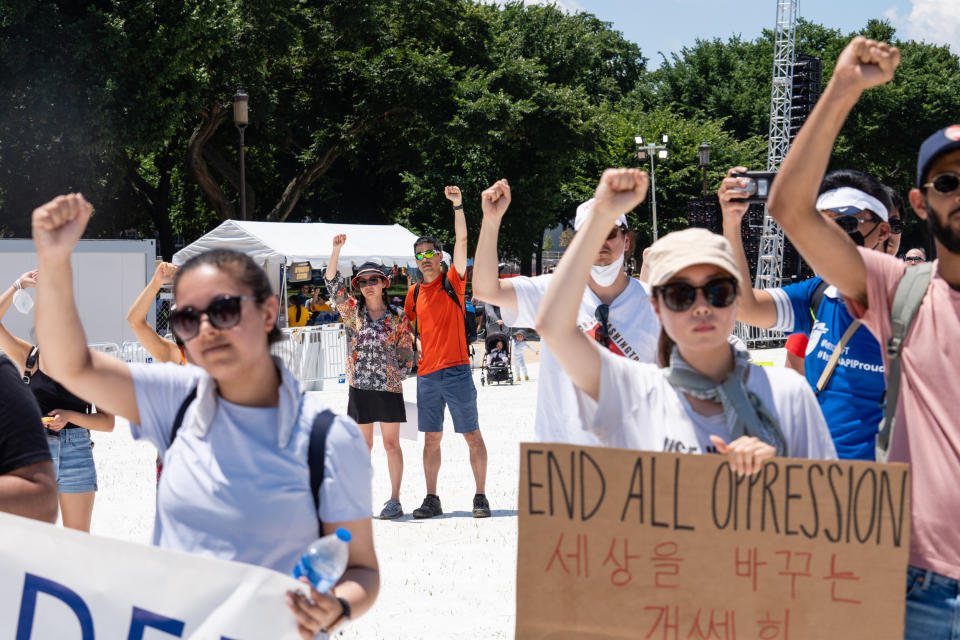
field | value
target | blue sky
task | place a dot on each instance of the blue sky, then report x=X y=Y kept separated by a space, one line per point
x=668 y=25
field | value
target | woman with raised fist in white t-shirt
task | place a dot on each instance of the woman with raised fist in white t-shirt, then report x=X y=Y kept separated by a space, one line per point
x=703 y=395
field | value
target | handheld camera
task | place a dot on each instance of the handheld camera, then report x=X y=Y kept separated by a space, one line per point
x=758 y=187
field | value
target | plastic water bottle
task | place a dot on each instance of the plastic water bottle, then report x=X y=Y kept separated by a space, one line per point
x=342 y=379
x=325 y=560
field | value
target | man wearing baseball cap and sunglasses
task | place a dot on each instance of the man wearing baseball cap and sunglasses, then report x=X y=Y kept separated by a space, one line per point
x=444 y=376
x=849 y=389
x=614 y=311
x=925 y=429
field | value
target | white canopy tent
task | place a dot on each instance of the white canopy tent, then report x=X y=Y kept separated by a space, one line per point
x=277 y=245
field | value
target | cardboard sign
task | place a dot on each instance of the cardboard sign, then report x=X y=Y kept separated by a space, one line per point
x=60 y=583
x=299 y=272
x=631 y=544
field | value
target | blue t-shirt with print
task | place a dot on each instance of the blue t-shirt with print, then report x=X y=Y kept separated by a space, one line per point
x=851 y=401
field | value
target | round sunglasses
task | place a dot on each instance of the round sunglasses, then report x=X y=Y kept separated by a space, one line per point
x=944 y=183
x=224 y=312
x=367 y=282
x=680 y=296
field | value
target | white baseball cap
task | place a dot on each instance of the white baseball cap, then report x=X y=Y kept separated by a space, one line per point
x=583 y=212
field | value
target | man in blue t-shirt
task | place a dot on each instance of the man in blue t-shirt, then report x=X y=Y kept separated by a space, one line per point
x=852 y=397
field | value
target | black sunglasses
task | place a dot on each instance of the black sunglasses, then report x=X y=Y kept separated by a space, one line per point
x=367 y=282
x=916 y=259
x=680 y=296
x=852 y=223
x=602 y=334
x=223 y=313
x=945 y=183
x=896 y=226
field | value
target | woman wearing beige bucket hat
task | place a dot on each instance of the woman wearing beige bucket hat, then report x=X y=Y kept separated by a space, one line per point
x=704 y=395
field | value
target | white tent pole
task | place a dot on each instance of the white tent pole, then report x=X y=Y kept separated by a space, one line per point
x=283 y=296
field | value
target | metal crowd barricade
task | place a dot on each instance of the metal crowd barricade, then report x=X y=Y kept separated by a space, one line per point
x=313 y=354
x=109 y=348
x=132 y=351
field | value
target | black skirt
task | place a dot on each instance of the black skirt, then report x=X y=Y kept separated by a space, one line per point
x=366 y=406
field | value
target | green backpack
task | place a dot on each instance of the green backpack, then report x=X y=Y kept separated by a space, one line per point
x=906 y=302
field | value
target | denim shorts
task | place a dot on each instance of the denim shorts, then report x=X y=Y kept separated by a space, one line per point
x=454 y=388
x=932 y=606
x=72 y=453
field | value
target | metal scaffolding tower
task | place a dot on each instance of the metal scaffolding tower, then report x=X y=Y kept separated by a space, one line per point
x=770 y=262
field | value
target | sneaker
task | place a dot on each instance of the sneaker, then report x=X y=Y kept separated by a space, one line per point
x=518 y=379
x=481 y=508
x=526 y=378
x=391 y=510
x=430 y=507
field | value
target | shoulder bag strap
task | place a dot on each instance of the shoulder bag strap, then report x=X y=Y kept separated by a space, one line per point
x=906 y=302
x=316 y=453
x=835 y=356
x=181 y=412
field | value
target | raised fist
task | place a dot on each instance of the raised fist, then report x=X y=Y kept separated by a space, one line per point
x=866 y=63
x=453 y=195
x=59 y=224
x=339 y=240
x=495 y=199
x=619 y=191
x=164 y=273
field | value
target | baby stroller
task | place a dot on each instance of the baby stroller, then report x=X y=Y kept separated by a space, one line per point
x=498 y=368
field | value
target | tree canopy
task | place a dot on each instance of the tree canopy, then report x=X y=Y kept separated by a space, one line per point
x=362 y=110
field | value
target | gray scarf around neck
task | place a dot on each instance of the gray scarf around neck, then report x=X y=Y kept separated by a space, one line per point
x=744 y=412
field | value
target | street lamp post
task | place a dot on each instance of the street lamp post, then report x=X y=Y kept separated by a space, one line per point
x=240 y=119
x=704 y=152
x=645 y=150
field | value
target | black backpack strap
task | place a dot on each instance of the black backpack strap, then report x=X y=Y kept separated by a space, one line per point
x=817 y=297
x=316 y=453
x=181 y=412
x=416 y=294
x=448 y=287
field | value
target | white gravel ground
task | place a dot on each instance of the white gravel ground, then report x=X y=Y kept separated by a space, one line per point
x=448 y=577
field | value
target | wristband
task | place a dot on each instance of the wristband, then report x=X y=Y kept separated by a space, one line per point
x=17 y=285
x=459 y=207
x=346 y=609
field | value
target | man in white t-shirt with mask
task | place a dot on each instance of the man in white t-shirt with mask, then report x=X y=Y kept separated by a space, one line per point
x=615 y=310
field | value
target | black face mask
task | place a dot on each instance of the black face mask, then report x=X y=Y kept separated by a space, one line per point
x=941 y=231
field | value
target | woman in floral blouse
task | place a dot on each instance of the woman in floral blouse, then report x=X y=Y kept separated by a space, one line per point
x=379 y=355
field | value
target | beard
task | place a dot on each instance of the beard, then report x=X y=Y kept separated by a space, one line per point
x=941 y=230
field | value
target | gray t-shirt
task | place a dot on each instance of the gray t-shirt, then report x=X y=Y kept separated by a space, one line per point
x=233 y=492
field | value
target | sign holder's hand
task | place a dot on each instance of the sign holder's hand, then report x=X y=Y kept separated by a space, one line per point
x=747 y=453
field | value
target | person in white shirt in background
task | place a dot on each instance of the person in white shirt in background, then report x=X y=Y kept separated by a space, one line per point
x=703 y=395
x=518 y=342
x=614 y=310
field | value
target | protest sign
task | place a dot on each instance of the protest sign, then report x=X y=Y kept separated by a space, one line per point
x=60 y=583
x=629 y=544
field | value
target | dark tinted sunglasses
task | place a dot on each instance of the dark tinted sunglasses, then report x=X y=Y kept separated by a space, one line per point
x=896 y=226
x=851 y=224
x=680 y=296
x=223 y=313
x=602 y=315
x=367 y=282
x=429 y=253
x=945 y=183
x=913 y=259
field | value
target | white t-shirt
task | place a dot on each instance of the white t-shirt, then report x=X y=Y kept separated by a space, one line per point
x=234 y=492
x=633 y=328
x=639 y=409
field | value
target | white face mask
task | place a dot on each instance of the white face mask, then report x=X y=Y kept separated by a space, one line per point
x=22 y=301
x=606 y=276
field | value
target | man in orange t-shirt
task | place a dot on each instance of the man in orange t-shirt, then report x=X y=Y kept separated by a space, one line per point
x=444 y=377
